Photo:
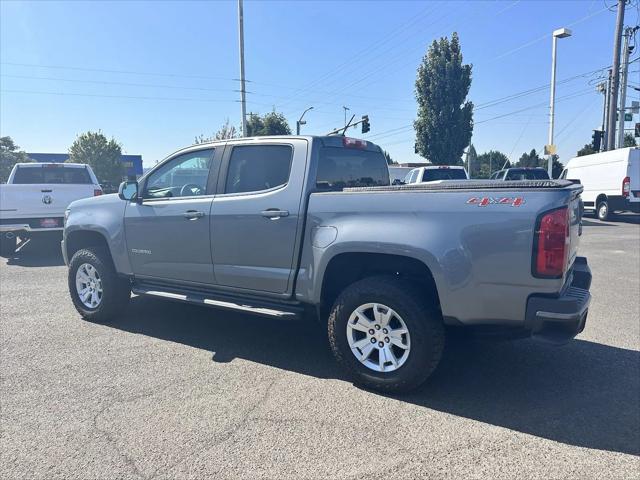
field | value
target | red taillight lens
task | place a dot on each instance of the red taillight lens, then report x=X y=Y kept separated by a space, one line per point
x=97 y=192
x=626 y=186
x=552 y=244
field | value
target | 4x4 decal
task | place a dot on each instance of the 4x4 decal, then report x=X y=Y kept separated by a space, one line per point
x=484 y=201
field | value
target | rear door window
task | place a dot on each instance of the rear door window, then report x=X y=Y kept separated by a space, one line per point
x=56 y=174
x=253 y=168
x=349 y=167
x=527 y=174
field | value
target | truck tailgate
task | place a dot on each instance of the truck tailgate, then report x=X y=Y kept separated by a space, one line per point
x=41 y=200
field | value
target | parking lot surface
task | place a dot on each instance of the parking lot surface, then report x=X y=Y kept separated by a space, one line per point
x=177 y=391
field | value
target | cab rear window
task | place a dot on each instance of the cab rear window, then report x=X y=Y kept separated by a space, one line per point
x=434 y=174
x=349 y=167
x=54 y=175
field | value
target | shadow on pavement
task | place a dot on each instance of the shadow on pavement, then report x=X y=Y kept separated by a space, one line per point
x=596 y=223
x=39 y=252
x=628 y=218
x=584 y=394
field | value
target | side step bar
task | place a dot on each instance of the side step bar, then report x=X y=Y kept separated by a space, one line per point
x=257 y=307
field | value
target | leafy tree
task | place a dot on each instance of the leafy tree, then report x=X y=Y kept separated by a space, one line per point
x=629 y=140
x=272 y=123
x=586 y=150
x=445 y=119
x=387 y=156
x=531 y=160
x=102 y=155
x=226 y=131
x=489 y=162
x=9 y=156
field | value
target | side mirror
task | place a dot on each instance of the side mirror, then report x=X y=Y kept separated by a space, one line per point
x=128 y=191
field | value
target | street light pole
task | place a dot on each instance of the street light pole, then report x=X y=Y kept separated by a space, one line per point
x=345 y=114
x=560 y=33
x=301 y=122
x=243 y=100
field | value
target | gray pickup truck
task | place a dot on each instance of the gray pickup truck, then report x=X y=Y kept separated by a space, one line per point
x=292 y=227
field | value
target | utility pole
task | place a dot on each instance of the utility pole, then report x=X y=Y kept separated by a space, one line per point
x=605 y=129
x=243 y=100
x=550 y=150
x=615 y=81
x=626 y=50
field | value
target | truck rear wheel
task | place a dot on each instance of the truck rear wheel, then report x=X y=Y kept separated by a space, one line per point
x=8 y=245
x=385 y=335
x=602 y=210
x=96 y=290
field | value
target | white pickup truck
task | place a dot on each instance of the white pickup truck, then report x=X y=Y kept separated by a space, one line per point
x=34 y=199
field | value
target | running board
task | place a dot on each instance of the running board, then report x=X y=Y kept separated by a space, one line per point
x=263 y=308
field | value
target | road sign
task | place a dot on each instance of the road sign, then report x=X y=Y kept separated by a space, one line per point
x=550 y=149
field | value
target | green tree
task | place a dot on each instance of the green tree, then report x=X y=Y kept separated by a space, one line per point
x=445 y=119
x=629 y=140
x=102 y=155
x=586 y=150
x=10 y=154
x=226 y=131
x=489 y=162
x=387 y=156
x=531 y=160
x=272 y=123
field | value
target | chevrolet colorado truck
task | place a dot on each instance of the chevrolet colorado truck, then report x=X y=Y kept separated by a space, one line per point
x=291 y=226
x=34 y=199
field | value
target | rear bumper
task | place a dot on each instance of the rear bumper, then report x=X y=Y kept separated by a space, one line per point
x=558 y=319
x=25 y=227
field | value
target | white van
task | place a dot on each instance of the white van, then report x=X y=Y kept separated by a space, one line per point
x=611 y=180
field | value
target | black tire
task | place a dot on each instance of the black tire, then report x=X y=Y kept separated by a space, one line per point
x=422 y=319
x=8 y=246
x=116 y=291
x=602 y=210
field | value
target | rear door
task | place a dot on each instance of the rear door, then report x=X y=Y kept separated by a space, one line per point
x=256 y=218
x=168 y=232
x=633 y=172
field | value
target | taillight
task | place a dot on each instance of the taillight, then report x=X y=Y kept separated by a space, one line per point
x=97 y=192
x=551 y=244
x=626 y=186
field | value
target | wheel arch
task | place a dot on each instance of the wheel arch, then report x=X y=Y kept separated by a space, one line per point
x=79 y=239
x=347 y=268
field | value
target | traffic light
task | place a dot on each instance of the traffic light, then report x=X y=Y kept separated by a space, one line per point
x=637 y=130
x=597 y=139
x=365 y=124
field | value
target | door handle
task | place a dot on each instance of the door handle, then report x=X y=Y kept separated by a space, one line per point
x=193 y=214
x=274 y=213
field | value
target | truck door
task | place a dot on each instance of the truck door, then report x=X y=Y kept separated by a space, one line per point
x=167 y=234
x=256 y=216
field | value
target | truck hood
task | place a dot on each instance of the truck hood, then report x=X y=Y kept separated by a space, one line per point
x=101 y=200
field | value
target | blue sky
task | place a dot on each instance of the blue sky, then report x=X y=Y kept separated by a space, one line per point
x=156 y=74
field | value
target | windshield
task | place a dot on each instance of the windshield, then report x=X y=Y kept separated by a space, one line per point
x=348 y=167
x=433 y=174
x=527 y=174
x=53 y=174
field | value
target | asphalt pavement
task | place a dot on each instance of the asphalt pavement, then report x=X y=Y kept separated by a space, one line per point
x=178 y=391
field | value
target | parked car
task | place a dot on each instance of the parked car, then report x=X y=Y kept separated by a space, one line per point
x=433 y=173
x=34 y=199
x=397 y=174
x=611 y=180
x=291 y=227
x=521 y=173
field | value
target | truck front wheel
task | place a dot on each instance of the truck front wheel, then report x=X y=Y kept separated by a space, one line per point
x=385 y=335
x=602 y=211
x=96 y=290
